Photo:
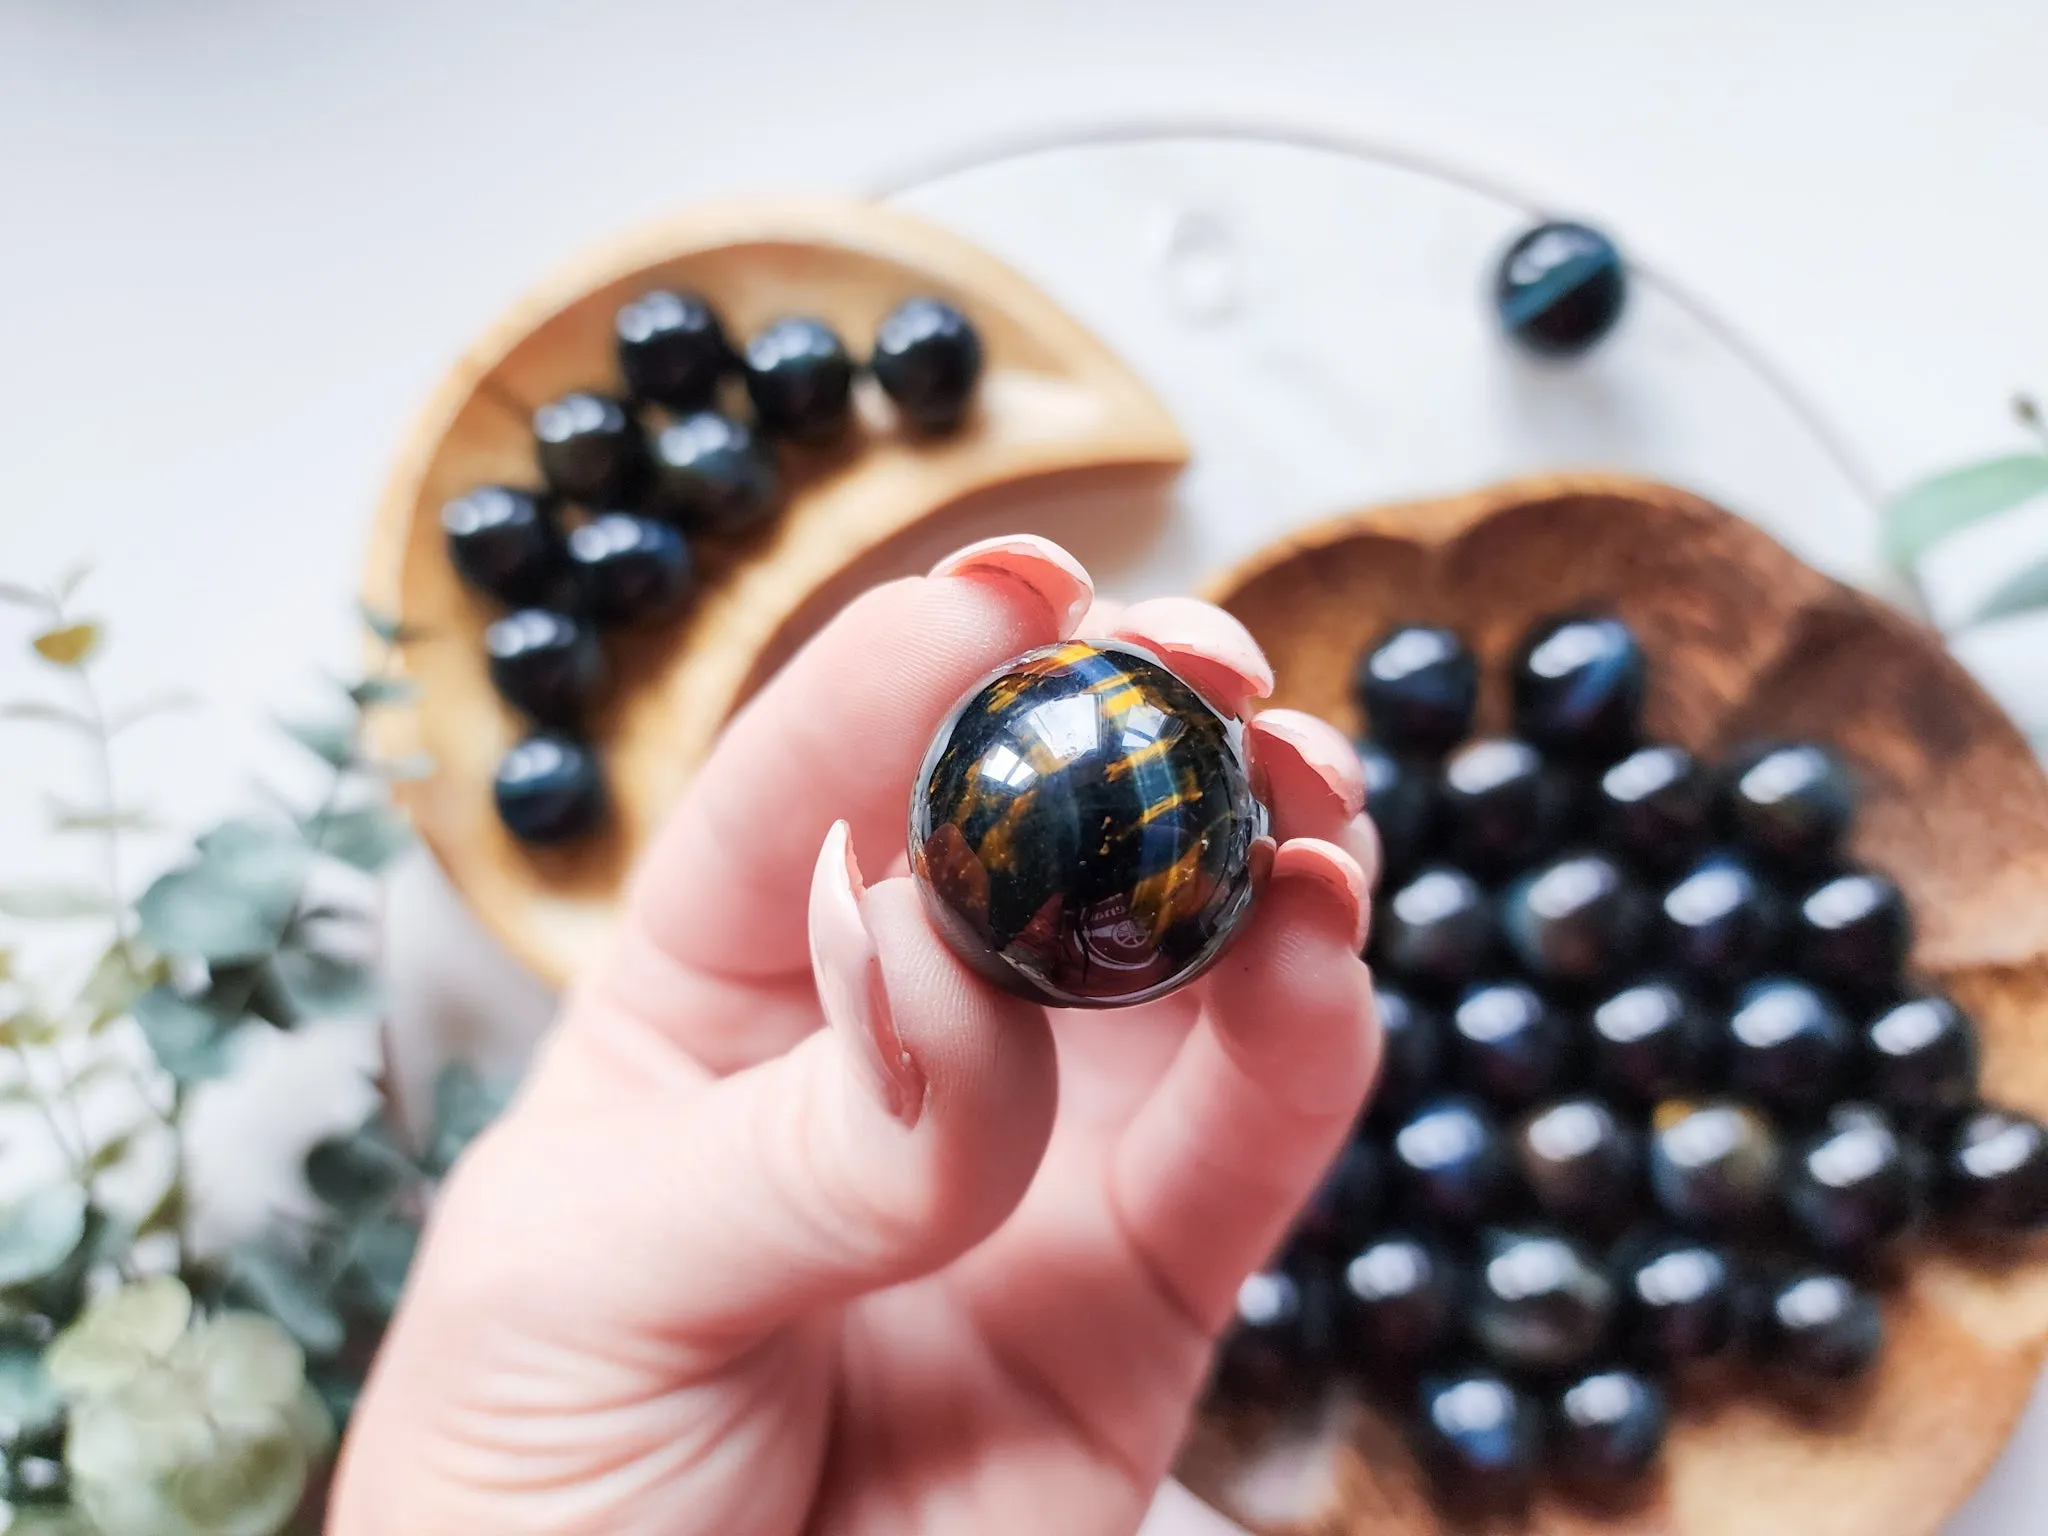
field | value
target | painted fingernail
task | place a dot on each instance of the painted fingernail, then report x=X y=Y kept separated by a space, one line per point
x=1328 y=867
x=1304 y=757
x=849 y=977
x=1215 y=654
x=1052 y=575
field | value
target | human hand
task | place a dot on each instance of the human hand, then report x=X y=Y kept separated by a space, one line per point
x=798 y=1227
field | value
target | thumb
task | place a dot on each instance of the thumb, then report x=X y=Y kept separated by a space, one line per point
x=877 y=1149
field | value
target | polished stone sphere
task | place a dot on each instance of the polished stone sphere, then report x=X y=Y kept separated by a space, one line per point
x=1560 y=288
x=1083 y=828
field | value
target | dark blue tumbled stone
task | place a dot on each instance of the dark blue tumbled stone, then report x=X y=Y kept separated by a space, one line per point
x=1560 y=288
x=1579 y=684
x=712 y=475
x=629 y=569
x=548 y=790
x=1083 y=827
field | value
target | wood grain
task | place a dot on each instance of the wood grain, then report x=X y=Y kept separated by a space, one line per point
x=1745 y=641
x=1058 y=419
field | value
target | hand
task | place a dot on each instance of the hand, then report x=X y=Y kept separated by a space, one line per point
x=949 y=1264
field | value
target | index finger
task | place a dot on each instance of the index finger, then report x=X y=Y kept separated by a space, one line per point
x=838 y=734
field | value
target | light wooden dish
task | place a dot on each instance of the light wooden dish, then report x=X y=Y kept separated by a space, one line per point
x=1744 y=641
x=1060 y=424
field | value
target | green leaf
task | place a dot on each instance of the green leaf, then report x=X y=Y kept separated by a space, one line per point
x=372 y=691
x=119 y=1336
x=381 y=1252
x=68 y=645
x=317 y=986
x=330 y=737
x=233 y=903
x=50 y=1522
x=53 y=903
x=248 y=1487
x=29 y=1400
x=193 y=911
x=189 y=1040
x=40 y=1232
x=28 y=1026
x=464 y=1104
x=368 y=837
x=23 y=597
x=41 y=712
x=1932 y=510
x=117 y=979
x=253 y=989
x=278 y=1282
x=67 y=818
x=387 y=626
x=311 y=1422
x=354 y=1172
x=2022 y=592
x=243 y=1361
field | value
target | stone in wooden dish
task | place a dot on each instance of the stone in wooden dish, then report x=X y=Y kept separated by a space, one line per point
x=1059 y=423
x=1744 y=641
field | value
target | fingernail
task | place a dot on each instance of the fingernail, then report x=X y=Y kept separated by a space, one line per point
x=1211 y=651
x=1330 y=869
x=849 y=977
x=1052 y=575
x=1306 y=757
x=1362 y=842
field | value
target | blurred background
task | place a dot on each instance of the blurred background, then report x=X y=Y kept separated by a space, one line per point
x=240 y=240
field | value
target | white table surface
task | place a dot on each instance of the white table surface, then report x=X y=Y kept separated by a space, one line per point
x=240 y=238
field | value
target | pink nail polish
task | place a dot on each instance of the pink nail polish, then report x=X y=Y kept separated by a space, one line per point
x=1330 y=868
x=1212 y=651
x=1298 y=751
x=1052 y=575
x=849 y=978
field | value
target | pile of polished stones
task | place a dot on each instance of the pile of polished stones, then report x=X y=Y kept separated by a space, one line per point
x=1662 y=1103
x=694 y=447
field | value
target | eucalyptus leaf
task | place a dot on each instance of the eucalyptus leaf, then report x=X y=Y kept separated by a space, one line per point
x=59 y=1294
x=254 y=989
x=280 y=1284
x=372 y=691
x=233 y=902
x=29 y=1400
x=189 y=1040
x=381 y=1250
x=53 y=903
x=354 y=1172
x=65 y=818
x=319 y=986
x=464 y=1104
x=41 y=712
x=29 y=1521
x=120 y=1336
x=368 y=836
x=39 y=1232
x=2022 y=592
x=117 y=979
x=248 y=1487
x=387 y=626
x=330 y=737
x=1932 y=510
x=23 y=597
x=243 y=1363
x=68 y=645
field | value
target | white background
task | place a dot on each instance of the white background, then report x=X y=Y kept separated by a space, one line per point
x=238 y=241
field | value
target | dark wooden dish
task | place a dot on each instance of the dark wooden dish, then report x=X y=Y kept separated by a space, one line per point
x=1056 y=412
x=1744 y=641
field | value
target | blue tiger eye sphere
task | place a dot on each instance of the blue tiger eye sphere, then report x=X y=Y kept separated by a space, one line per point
x=1083 y=827
x=1560 y=288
